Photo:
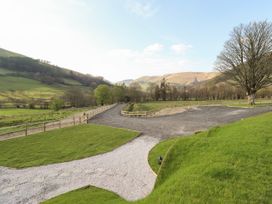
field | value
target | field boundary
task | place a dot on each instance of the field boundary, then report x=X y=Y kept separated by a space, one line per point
x=32 y=128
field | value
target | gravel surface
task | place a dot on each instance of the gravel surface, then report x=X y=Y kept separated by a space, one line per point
x=124 y=170
x=187 y=122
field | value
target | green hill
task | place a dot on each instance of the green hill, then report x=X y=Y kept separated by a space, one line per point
x=6 y=53
x=24 y=78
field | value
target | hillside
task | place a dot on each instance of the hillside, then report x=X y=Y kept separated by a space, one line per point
x=24 y=78
x=181 y=78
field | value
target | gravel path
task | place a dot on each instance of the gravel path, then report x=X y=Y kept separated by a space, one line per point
x=187 y=122
x=124 y=170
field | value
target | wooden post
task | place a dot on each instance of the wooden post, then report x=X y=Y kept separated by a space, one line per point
x=44 y=127
x=87 y=118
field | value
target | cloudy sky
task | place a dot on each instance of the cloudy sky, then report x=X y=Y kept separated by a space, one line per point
x=124 y=39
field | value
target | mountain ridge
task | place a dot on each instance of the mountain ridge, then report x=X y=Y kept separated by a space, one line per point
x=179 y=78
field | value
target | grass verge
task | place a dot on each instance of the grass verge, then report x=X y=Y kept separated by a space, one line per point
x=62 y=145
x=158 y=105
x=160 y=149
x=229 y=164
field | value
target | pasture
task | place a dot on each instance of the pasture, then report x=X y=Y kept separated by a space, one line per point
x=11 y=117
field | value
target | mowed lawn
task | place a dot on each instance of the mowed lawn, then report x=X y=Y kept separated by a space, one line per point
x=62 y=145
x=229 y=164
x=158 y=105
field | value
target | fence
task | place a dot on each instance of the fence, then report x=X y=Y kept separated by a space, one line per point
x=137 y=113
x=32 y=128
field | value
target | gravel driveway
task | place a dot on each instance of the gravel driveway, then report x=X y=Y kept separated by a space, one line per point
x=187 y=122
x=124 y=170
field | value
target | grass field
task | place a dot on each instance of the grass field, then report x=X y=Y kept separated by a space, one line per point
x=158 y=105
x=16 y=87
x=62 y=145
x=15 y=116
x=229 y=164
x=12 y=88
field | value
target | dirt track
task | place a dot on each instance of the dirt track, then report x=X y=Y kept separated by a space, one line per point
x=187 y=122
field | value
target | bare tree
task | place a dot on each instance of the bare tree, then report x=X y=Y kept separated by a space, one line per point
x=247 y=57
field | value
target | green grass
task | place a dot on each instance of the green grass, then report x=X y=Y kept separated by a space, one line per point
x=229 y=164
x=5 y=71
x=158 y=105
x=14 y=87
x=62 y=145
x=159 y=150
x=16 y=116
x=8 y=83
x=88 y=195
x=21 y=111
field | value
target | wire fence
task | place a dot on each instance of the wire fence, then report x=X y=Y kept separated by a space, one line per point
x=32 y=128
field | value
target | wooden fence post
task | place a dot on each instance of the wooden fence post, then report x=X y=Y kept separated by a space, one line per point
x=44 y=127
x=87 y=118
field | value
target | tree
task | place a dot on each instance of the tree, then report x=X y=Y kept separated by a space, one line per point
x=247 y=57
x=163 y=89
x=157 y=93
x=102 y=94
x=77 y=98
x=135 y=92
x=117 y=93
x=56 y=104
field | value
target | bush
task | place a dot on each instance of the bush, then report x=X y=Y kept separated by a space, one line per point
x=130 y=107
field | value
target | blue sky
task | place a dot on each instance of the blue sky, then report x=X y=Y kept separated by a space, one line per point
x=121 y=39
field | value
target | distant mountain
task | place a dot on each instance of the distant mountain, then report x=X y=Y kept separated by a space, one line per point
x=126 y=82
x=28 y=78
x=179 y=79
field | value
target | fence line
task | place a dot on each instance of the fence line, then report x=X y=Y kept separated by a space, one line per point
x=32 y=128
x=137 y=113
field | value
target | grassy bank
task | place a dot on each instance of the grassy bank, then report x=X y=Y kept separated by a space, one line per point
x=229 y=164
x=158 y=105
x=62 y=145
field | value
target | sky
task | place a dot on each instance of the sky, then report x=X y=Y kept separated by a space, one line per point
x=125 y=39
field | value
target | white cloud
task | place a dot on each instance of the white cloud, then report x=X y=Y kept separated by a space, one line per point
x=143 y=8
x=153 y=48
x=52 y=30
x=180 y=48
x=135 y=63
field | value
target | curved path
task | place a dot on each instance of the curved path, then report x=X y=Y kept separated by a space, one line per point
x=124 y=170
x=187 y=122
